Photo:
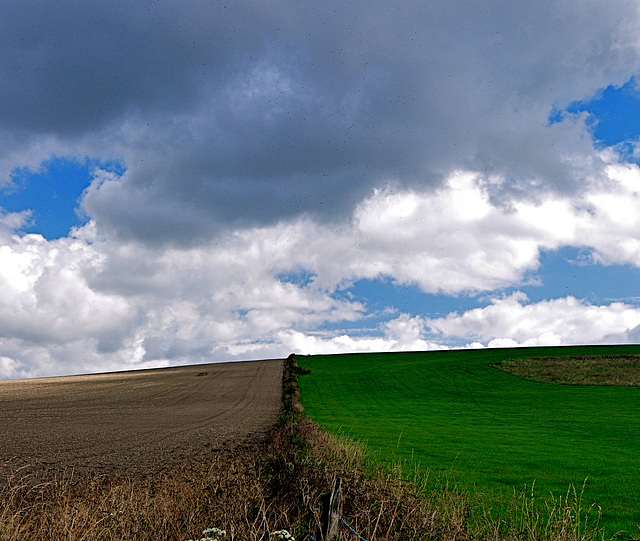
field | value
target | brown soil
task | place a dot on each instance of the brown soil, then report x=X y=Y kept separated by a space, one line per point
x=132 y=423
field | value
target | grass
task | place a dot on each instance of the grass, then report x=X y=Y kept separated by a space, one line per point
x=171 y=505
x=264 y=491
x=620 y=370
x=452 y=415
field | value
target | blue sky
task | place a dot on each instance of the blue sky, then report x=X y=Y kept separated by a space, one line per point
x=52 y=195
x=195 y=184
x=614 y=113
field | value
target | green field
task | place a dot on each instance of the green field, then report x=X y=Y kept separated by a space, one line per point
x=454 y=414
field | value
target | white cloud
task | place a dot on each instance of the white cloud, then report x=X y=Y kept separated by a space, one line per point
x=455 y=240
x=452 y=240
x=86 y=304
x=46 y=294
x=11 y=221
x=512 y=321
x=403 y=333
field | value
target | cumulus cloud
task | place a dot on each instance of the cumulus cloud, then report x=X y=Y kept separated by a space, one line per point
x=403 y=333
x=249 y=113
x=12 y=221
x=456 y=240
x=513 y=321
x=85 y=304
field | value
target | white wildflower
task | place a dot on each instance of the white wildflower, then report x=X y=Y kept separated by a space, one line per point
x=283 y=535
x=211 y=532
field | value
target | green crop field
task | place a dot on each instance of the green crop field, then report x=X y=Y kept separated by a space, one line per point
x=454 y=414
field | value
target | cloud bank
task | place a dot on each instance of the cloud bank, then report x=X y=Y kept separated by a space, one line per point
x=86 y=302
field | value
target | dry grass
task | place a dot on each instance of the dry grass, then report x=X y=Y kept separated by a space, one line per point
x=173 y=505
x=577 y=369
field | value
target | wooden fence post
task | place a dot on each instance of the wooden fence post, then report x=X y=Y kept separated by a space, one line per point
x=332 y=511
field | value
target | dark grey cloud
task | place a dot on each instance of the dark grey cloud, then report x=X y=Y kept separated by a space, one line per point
x=70 y=67
x=250 y=112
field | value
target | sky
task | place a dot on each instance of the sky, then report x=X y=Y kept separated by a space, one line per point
x=188 y=182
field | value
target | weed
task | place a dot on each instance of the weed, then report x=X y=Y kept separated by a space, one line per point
x=620 y=370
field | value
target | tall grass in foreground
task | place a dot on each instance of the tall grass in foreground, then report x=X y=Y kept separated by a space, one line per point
x=421 y=508
x=168 y=506
x=253 y=492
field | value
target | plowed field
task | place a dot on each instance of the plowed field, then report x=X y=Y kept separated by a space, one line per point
x=139 y=422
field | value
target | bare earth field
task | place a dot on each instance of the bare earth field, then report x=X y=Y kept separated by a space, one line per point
x=131 y=423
